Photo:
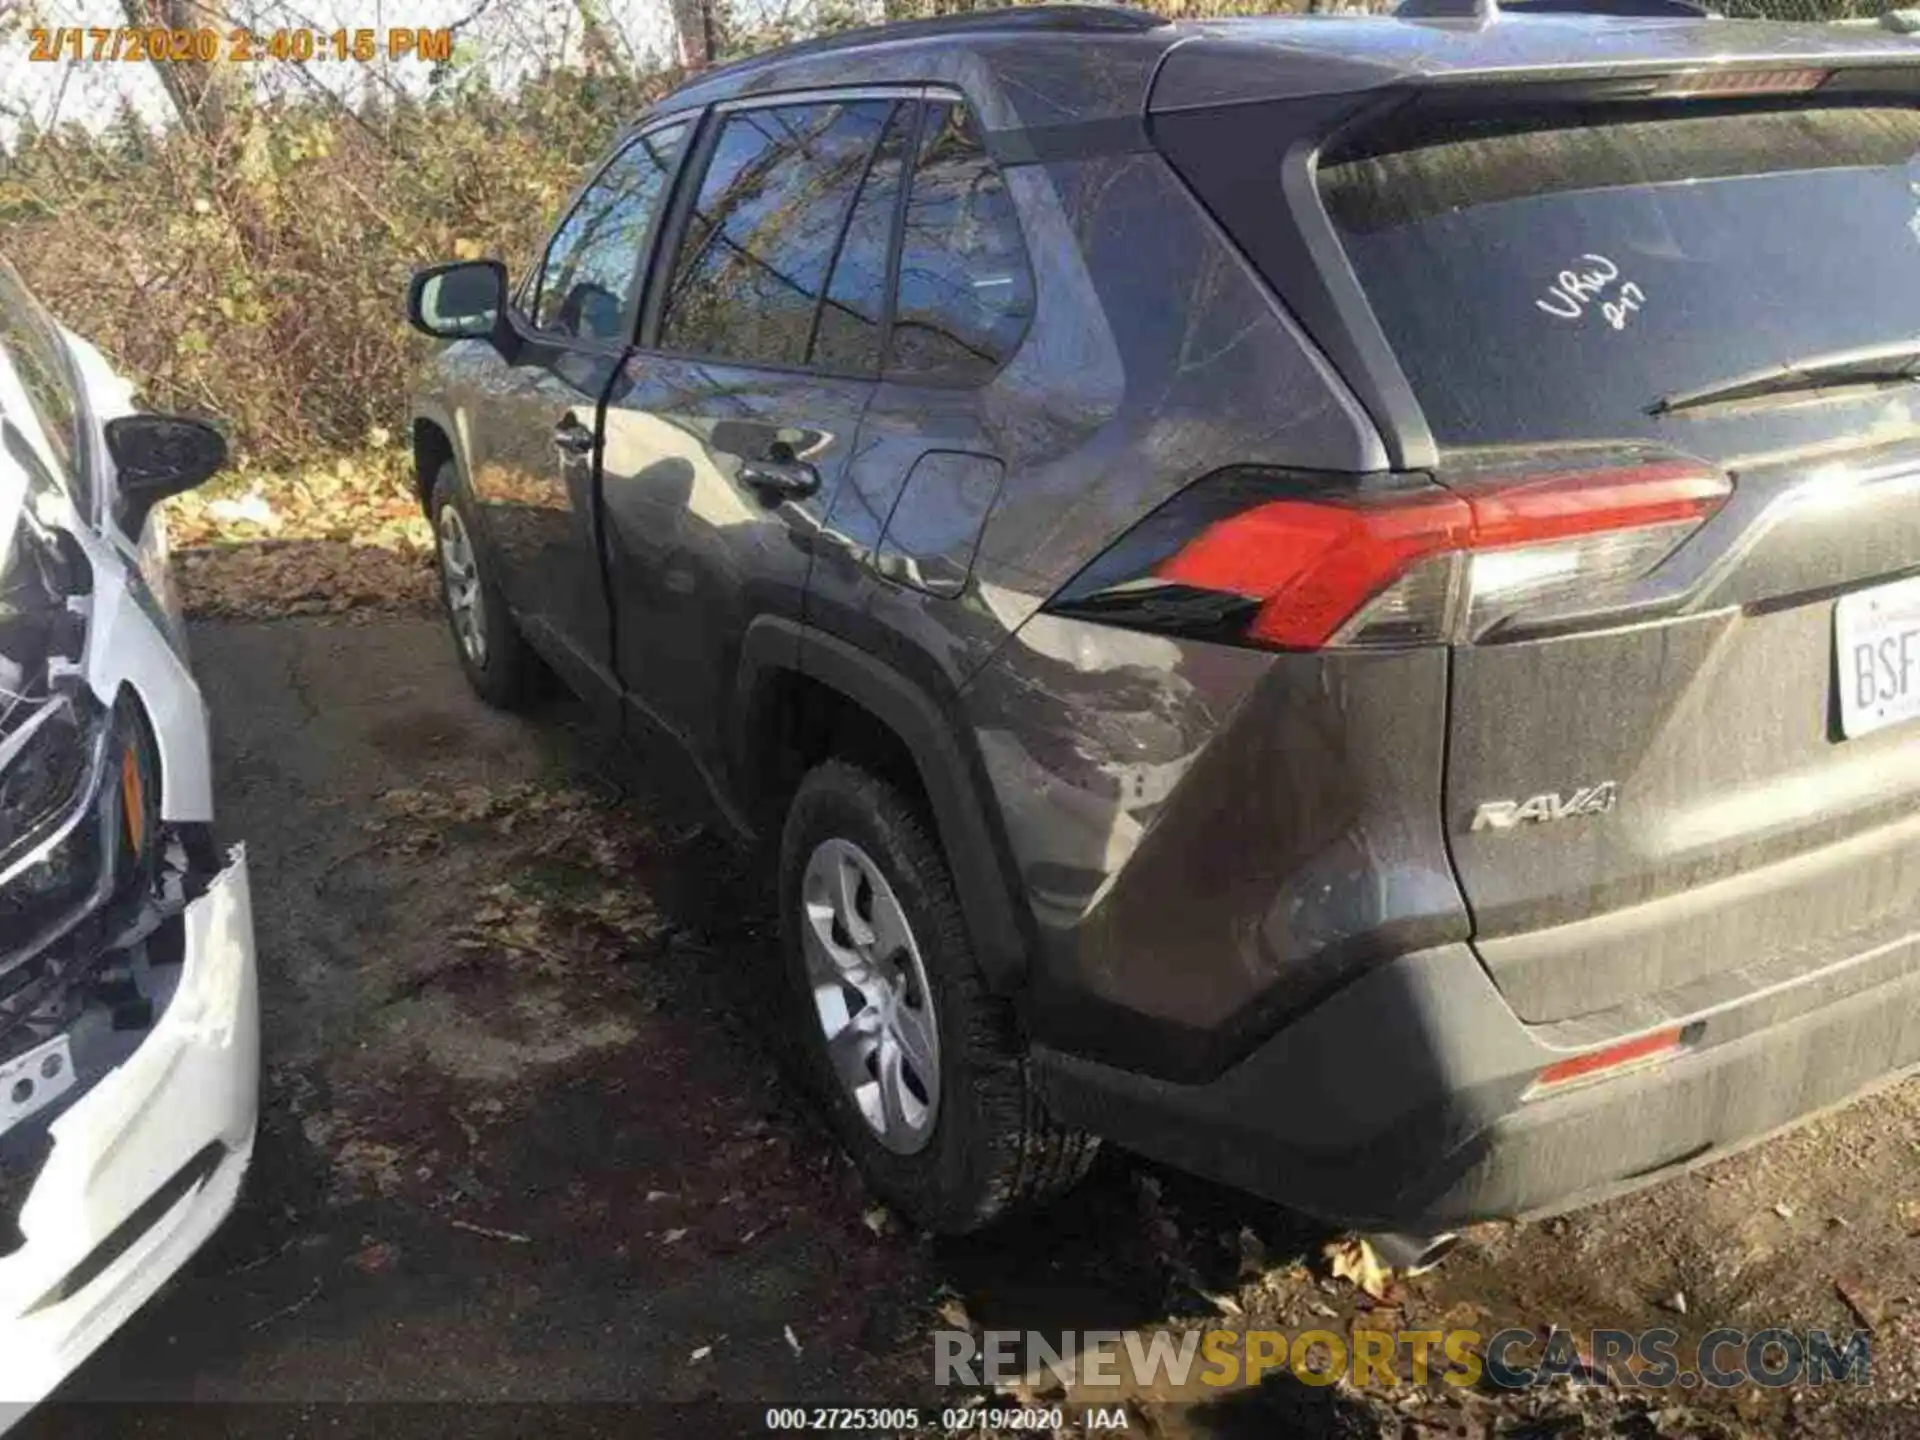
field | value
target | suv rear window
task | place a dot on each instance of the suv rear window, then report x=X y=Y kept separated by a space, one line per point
x=1547 y=281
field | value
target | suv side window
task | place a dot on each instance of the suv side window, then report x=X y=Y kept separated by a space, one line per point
x=966 y=289
x=774 y=207
x=588 y=278
x=39 y=362
x=850 y=322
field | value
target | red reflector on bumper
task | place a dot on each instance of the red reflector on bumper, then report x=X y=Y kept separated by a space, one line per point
x=1639 y=1050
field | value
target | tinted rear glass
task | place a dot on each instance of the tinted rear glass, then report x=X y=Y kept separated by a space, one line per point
x=1549 y=281
x=966 y=290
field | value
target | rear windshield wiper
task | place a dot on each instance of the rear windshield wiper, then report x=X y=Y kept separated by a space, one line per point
x=1878 y=365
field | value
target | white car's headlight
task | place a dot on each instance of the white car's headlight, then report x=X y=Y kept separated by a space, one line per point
x=77 y=778
x=80 y=806
x=51 y=857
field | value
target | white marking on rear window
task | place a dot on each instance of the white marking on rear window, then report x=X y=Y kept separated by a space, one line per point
x=1583 y=285
x=1617 y=311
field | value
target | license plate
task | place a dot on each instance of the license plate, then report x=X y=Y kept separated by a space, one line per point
x=1877 y=649
x=31 y=1082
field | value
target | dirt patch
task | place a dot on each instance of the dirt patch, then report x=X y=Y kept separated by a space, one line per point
x=418 y=737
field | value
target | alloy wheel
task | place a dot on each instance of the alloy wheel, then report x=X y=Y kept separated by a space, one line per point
x=870 y=995
x=460 y=578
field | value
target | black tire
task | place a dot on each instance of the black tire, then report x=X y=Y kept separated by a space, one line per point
x=993 y=1149
x=507 y=676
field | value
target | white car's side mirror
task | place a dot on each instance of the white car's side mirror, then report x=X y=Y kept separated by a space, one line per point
x=158 y=456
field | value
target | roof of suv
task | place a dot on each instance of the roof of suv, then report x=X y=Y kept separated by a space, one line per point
x=1367 y=51
x=1067 y=63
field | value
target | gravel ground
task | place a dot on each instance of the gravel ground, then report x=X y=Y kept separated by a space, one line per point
x=527 y=1138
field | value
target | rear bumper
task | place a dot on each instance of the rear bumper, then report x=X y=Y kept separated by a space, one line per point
x=144 y=1166
x=1398 y=1102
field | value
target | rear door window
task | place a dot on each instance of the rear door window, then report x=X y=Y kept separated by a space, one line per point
x=1546 y=281
x=851 y=320
x=751 y=281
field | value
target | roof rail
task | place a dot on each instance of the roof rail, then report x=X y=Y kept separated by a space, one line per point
x=1487 y=11
x=1085 y=18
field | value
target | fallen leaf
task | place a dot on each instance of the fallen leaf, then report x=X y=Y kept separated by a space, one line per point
x=1353 y=1259
x=674 y=1236
x=377 y=1258
x=1859 y=1300
x=513 y=1237
x=1253 y=1254
x=1225 y=1304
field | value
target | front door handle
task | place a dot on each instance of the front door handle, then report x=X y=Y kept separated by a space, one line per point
x=777 y=480
x=573 y=437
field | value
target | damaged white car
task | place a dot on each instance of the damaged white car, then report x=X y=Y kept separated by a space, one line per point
x=129 y=1028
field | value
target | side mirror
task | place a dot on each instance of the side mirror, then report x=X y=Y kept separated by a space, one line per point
x=460 y=300
x=158 y=456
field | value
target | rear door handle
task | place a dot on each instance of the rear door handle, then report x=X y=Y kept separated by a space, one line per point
x=778 y=480
x=573 y=437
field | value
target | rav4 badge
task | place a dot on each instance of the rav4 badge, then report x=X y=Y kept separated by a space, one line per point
x=1535 y=809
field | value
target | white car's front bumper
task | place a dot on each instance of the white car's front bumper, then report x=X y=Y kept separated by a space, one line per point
x=145 y=1165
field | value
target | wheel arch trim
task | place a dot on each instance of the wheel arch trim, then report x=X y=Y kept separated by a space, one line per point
x=431 y=415
x=948 y=768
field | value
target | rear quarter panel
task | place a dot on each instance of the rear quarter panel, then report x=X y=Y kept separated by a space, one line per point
x=1202 y=836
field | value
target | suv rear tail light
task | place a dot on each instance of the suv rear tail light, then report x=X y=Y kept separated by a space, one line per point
x=1302 y=562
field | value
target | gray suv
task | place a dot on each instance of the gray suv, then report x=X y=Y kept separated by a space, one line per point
x=1335 y=600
